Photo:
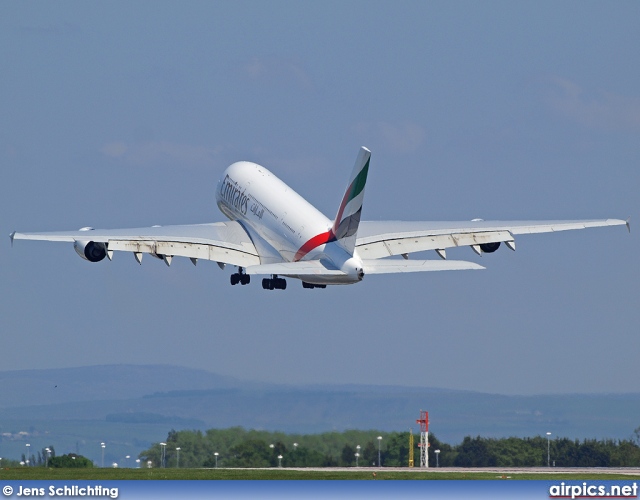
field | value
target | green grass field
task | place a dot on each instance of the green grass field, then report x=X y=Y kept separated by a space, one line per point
x=39 y=473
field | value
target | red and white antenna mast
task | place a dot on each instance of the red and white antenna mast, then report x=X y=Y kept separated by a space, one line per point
x=424 y=438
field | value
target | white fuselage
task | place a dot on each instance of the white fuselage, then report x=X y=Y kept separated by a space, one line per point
x=284 y=227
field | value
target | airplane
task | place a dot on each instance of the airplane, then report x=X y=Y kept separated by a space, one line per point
x=274 y=232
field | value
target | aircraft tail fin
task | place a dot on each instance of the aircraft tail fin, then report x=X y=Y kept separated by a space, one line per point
x=345 y=226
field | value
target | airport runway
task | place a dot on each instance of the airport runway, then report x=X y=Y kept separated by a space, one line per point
x=499 y=471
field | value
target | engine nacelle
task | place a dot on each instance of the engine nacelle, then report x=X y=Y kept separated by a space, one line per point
x=490 y=247
x=90 y=250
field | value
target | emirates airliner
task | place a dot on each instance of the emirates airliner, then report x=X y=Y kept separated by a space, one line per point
x=274 y=232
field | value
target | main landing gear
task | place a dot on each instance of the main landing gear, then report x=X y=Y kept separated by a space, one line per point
x=311 y=285
x=240 y=277
x=274 y=283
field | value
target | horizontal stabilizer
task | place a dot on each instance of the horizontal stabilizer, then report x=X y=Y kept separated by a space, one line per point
x=415 y=266
x=300 y=268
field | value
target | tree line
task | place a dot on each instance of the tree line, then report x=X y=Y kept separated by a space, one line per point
x=47 y=458
x=238 y=447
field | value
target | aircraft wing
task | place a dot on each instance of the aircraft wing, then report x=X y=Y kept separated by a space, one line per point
x=379 y=239
x=223 y=242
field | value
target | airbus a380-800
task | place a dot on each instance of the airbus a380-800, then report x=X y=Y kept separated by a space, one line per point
x=273 y=231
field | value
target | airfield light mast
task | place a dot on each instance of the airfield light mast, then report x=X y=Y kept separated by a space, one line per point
x=424 y=438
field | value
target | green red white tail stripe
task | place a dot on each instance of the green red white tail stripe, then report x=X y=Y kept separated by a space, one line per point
x=345 y=226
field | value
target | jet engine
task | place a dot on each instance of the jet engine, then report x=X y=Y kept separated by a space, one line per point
x=490 y=247
x=90 y=250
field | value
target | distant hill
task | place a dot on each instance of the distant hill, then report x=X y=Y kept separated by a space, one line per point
x=131 y=406
x=102 y=382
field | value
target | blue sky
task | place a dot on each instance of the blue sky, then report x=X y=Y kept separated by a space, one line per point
x=124 y=114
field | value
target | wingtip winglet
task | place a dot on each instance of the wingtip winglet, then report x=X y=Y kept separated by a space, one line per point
x=628 y=224
x=11 y=236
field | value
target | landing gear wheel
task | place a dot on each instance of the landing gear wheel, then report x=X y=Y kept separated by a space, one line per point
x=274 y=283
x=311 y=285
x=240 y=277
